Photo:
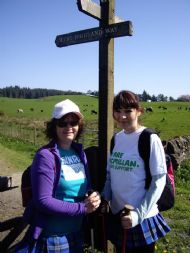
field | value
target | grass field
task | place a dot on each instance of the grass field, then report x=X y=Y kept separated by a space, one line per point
x=171 y=122
x=41 y=108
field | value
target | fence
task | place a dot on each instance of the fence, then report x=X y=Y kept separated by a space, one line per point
x=35 y=134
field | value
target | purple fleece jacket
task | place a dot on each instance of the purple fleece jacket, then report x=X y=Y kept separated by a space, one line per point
x=45 y=174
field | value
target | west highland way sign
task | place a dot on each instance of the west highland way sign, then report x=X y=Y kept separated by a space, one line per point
x=94 y=34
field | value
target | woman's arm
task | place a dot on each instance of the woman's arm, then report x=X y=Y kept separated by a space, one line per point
x=43 y=177
x=151 y=198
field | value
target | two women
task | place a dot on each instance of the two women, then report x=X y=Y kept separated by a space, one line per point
x=60 y=181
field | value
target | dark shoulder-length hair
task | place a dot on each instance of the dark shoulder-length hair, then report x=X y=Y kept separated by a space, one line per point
x=50 y=131
x=126 y=99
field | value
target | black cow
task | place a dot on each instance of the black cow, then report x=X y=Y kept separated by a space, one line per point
x=148 y=109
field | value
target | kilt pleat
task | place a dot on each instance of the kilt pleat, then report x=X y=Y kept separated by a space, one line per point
x=149 y=231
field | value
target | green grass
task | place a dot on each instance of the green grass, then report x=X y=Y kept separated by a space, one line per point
x=178 y=240
x=16 y=155
x=170 y=123
x=9 y=106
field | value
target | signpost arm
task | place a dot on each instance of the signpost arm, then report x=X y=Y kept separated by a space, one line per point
x=106 y=86
x=94 y=10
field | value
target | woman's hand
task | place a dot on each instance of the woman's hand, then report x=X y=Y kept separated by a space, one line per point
x=126 y=221
x=92 y=201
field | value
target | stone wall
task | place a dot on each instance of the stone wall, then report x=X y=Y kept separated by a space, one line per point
x=179 y=149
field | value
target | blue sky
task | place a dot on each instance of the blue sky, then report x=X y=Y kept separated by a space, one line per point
x=156 y=58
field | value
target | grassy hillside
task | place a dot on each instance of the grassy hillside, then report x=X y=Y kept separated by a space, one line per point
x=172 y=121
x=42 y=108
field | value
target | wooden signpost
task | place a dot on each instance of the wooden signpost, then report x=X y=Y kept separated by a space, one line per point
x=109 y=28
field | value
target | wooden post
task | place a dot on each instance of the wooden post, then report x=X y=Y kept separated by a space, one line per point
x=106 y=87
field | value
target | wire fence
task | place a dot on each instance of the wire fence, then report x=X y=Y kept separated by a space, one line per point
x=35 y=134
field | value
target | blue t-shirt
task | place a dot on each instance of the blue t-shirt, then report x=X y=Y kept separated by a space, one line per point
x=72 y=187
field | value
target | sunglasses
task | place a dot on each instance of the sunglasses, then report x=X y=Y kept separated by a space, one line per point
x=66 y=123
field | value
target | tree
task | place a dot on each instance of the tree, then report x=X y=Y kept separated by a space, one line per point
x=154 y=99
x=145 y=96
x=171 y=99
x=161 y=97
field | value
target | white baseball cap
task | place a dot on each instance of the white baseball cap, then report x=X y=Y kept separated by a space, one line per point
x=64 y=107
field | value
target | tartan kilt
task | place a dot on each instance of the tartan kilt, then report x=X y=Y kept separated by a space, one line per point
x=70 y=243
x=147 y=232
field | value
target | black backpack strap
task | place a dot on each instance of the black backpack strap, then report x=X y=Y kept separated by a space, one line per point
x=168 y=160
x=144 y=151
x=112 y=143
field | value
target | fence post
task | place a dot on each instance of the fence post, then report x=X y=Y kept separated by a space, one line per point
x=34 y=135
x=19 y=135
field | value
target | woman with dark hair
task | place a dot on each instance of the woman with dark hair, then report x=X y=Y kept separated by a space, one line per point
x=137 y=230
x=60 y=183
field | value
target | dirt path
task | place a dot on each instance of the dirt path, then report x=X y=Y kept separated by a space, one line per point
x=10 y=200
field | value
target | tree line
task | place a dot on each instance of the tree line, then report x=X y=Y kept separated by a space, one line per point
x=145 y=96
x=28 y=93
x=17 y=92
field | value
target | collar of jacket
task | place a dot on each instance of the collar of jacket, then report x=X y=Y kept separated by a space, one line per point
x=78 y=147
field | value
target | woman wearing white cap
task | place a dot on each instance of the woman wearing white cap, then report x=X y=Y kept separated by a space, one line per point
x=60 y=181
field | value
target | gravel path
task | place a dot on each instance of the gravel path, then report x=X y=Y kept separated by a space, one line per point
x=10 y=200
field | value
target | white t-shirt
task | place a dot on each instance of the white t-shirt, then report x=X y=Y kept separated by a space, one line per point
x=126 y=170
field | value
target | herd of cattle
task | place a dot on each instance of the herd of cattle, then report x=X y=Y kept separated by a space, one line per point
x=31 y=109
x=150 y=109
x=146 y=109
